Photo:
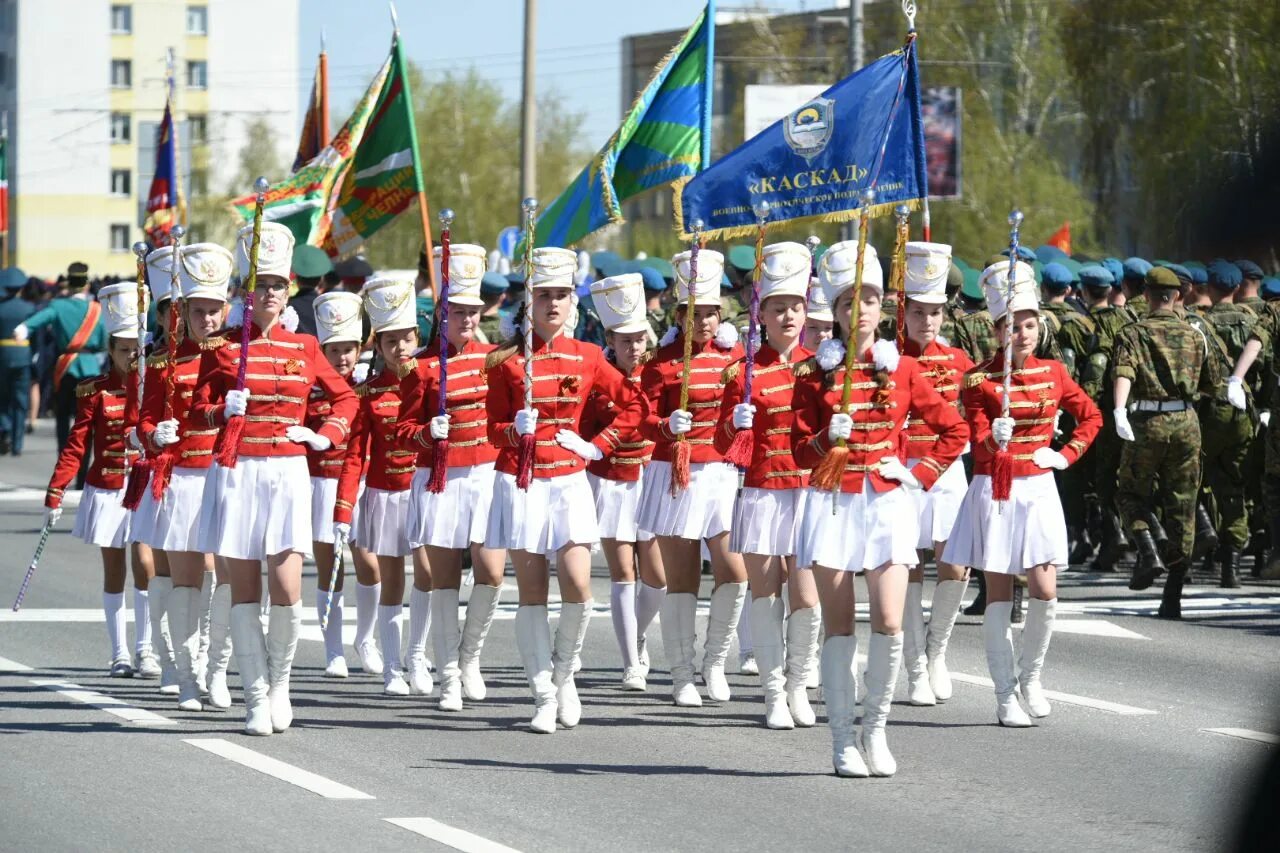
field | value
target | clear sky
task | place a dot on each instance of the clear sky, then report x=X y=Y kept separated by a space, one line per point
x=579 y=44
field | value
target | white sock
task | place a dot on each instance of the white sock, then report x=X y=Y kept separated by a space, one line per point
x=648 y=604
x=419 y=621
x=745 y=644
x=113 y=608
x=141 y=621
x=366 y=610
x=333 y=627
x=622 y=605
x=389 y=631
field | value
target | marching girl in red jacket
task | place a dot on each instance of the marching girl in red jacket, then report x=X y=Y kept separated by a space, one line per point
x=924 y=653
x=260 y=509
x=771 y=503
x=555 y=514
x=867 y=524
x=375 y=456
x=617 y=480
x=1025 y=534
x=454 y=521
x=101 y=519
x=170 y=524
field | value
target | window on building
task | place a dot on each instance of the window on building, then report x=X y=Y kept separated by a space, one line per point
x=119 y=238
x=121 y=128
x=121 y=182
x=198 y=128
x=197 y=20
x=121 y=19
x=121 y=73
x=197 y=74
x=199 y=182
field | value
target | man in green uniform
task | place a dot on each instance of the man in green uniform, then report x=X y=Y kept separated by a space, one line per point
x=1135 y=274
x=80 y=340
x=1250 y=284
x=974 y=332
x=492 y=288
x=735 y=297
x=655 y=284
x=1249 y=294
x=1161 y=366
x=15 y=362
x=952 y=310
x=310 y=263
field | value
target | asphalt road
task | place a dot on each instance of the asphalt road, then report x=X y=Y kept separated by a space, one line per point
x=1128 y=760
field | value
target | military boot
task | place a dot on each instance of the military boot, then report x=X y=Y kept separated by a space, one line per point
x=1209 y=567
x=1148 y=567
x=1019 y=592
x=1081 y=547
x=1171 y=596
x=1230 y=563
x=1206 y=536
x=979 y=605
x=1109 y=551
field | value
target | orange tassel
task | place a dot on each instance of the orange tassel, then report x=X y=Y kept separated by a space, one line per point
x=830 y=471
x=136 y=486
x=1002 y=476
x=739 y=453
x=680 y=458
x=227 y=449
x=161 y=474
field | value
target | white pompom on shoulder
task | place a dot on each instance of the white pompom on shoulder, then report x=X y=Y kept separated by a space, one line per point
x=885 y=355
x=235 y=317
x=289 y=319
x=727 y=336
x=830 y=354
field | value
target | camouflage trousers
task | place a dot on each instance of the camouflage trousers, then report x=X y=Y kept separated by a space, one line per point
x=1228 y=434
x=1104 y=456
x=1160 y=471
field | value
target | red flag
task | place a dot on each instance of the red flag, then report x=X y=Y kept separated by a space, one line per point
x=315 y=125
x=164 y=202
x=1061 y=239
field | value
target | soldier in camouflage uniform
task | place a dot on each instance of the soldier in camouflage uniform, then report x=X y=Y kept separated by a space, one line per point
x=952 y=310
x=1135 y=274
x=1161 y=366
x=736 y=294
x=1250 y=282
x=976 y=334
x=492 y=288
x=1249 y=295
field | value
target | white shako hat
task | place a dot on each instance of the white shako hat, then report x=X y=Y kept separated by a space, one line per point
x=706 y=290
x=552 y=267
x=784 y=270
x=818 y=307
x=619 y=302
x=926 y=272
x=338 y=317
x=120 y=309
x=204 y=271
x=838 y=269
x=160 y=273
x=466 y=269
x=391 y=302
x=1026 y=296
x=275 y=251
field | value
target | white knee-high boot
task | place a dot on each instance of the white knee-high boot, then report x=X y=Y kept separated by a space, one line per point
x=1036 y=633
x=422 y=613
x=219 y=647
x=142 y=632
x=726 y=610
x=766 y=630
x=113 y=610
x=481 y=607
x=571 y=632
x=840 y=692
x=998 y=634
x=679 y=614
x=533 y=635
x=158 y=591
x=622 y=609
x=282 y=644
x=205 y=604
x=393 y=682
x=914 y=657
x=802 y=639
x=648 y=604
x=447 y=640
x=184 y=627
x=366 y=619
x=251 y=659
x=747 y=663
x=331 y=607
x=943 y=611
x=884 y=658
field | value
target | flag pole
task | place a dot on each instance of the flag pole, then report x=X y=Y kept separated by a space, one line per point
x=709 y=82
x=323 y=130
x=424 y=210
x=179 y=209
x=4 y=146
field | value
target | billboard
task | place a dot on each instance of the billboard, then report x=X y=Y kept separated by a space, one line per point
x=940 y=113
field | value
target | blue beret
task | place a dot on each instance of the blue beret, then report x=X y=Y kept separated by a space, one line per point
x=1096 y=275
x=1048 y=254
x=1056 y=278
x=1024 y=254
x=1225 y=275
x=493 y=284
x=1136 y=269
x=1198 y=274
x=1178 y=269
x=12 y=278
x=1116 y=267
x=1249 y=269
x=725 y=284
x=653 y=280
x=1271 y=288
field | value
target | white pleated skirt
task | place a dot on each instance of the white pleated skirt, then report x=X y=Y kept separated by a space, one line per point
x=553 y=513
x=702 y=511
x=617 y=507
x=257 y=509
x=173 y=522
x=381 y=525
x=939 y=506
x=324 y=495
x=456 y=517
x=1009 y=537
x=767 y=521
x=101 y=518
x=866 y=530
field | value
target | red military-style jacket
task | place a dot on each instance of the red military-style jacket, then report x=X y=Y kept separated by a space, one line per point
x=626 y=461
x=465 y=404
x=100 y=413
x=283 y=367
x=660 y=383
x=195 y=438
x=325 y=464
x=772 y=464
x=879 y=416
x=565 y=372
x=373 y=452
x=943 y=367
x=1037 y=391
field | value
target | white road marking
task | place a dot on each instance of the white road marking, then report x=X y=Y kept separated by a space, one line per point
x=1205 y=604
x=1246 y=734
x=20 y=494
x=102 y=702
x=449 y=836
x=7 y=665
x=59 y=614
x=1095 y=628
x=280 y=770
x=1066 y=698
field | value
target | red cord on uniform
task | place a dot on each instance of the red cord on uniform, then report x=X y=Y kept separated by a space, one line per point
x=227 y=449
x=162 y=470
x=439 y=466
x=524 y=473
x=136 y=486
x=1002 y=476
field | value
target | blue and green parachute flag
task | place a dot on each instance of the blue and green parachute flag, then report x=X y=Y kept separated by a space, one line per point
x=815 y=162
x=665 y=136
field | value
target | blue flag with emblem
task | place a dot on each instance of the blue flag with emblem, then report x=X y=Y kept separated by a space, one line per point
x=666 y=135
x=814 y=163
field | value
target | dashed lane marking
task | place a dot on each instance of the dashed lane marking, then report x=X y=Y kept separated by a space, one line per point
x=1246 y=734
x=458 y=839
x=1066 y=698
x=113 y=706
x=246 y=757
x=7 y=665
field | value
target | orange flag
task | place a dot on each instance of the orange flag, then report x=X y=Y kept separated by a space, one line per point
x=1061 y=238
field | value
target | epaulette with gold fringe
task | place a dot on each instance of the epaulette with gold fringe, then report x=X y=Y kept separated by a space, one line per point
x=806 y=368
x=158 y=360
x=645 y=357
x=408 y=367
x=213 y=342
x=364 y=389
x=978 y=375
x=87 y=386
x=500 y=356
x=730 y=373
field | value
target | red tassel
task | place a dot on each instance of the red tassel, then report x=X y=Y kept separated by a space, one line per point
x=524 y=473
x=739 y=453
x=136 y=486
x=1002 y=476
x=161 y=475
x=830 y=471
x=680 y=459
x=439 y=466
x=227 y=449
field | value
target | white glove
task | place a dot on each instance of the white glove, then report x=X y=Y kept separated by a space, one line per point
x=680 y=422
x=1002 y=430
x=312 y=439
x=342 y=532
x=891 y=468
x=744 y=416
x=1235 y=393
x=1047 y=457
x=166 y=433
x=360 y=373
x=526 y=421
x=1122 y=425
x=840 y=428
x=131 y=438
x=1057 y=419
x=574 y=443
x=440 y=427
x=20 y=332
x=237 y=402
x=51 y=516
x=1265 y=417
